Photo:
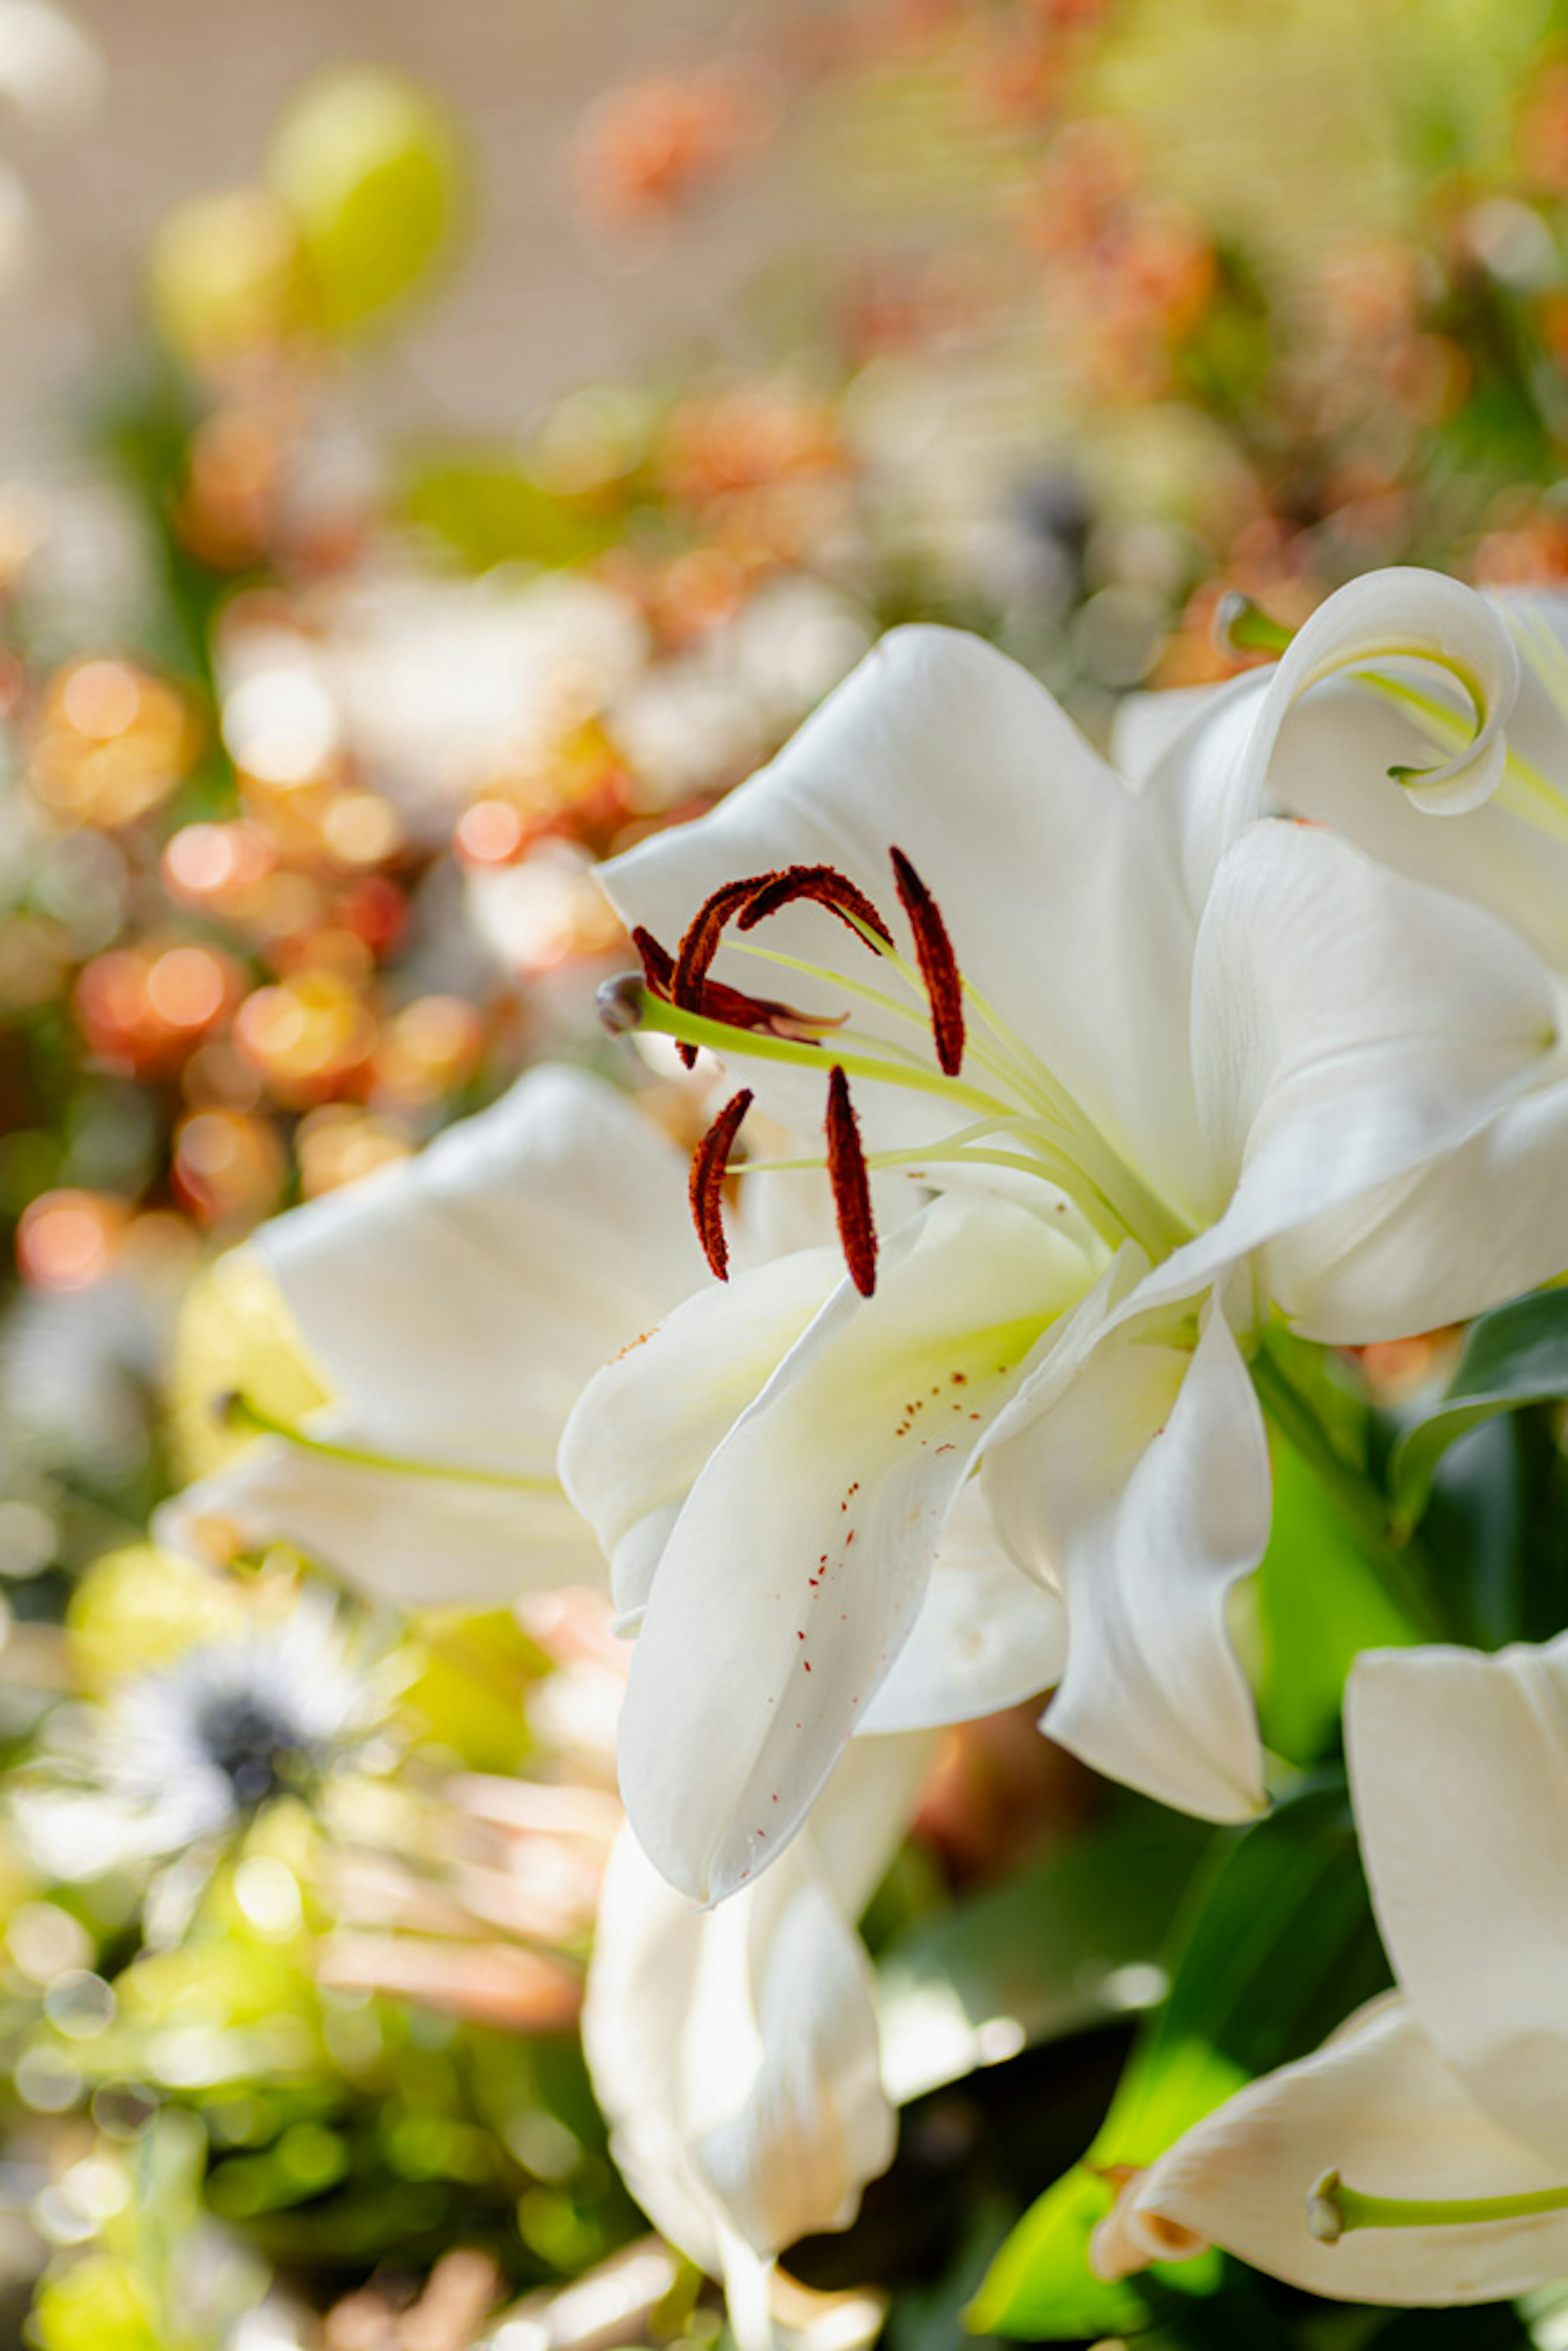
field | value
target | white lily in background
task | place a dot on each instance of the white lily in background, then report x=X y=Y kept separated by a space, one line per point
x=1137 y=1105
x=734 y=2052
x=1384 y=681
x=454 y=1304
x=1421 y=2156
x=457 y=1303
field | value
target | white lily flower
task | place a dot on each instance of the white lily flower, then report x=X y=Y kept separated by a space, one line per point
x=1355 y=754
x=734 y=2052
x=1159 y=1096
x=1421 y=2156
x=456 y=1304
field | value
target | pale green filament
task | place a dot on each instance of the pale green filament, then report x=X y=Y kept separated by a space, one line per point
x=1063 y=1149
x=1334 y=2210
x=1071 y=1151
x=239 y=1412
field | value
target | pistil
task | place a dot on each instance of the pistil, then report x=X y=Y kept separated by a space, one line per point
x=1334 y=2210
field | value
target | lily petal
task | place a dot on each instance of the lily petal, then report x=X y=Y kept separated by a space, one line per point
x=1330 y=766
x=796 y=1570
x=1144 y=1489
x=1387 y=620
x=412 y=1541
x=1379 y=2104
x=1433 y=1248
x=1347 y=1025
x=734 y=2052
x=1459 y=1766
x=987 y=1636
x=458 y=1302
x=645 y=1426
x=515 y=1254
x=1057 y=891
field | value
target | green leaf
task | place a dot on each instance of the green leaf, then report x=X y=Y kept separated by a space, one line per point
x=1069 y=1942
x=1041 y=2284
x=1517 y=1356
x=1275 y=1945
x=1319 y=1602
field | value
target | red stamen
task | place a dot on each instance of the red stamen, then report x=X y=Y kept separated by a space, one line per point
x=710 y=1163
x=700 y=940
x=825 y=886
x=851 y=1186
x=699 y=945
x=658 y=963
x=938 y=965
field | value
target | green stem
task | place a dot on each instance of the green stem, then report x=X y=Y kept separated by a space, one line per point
x=238 y=1411
x=1397 y=1566
x=1334 y=2210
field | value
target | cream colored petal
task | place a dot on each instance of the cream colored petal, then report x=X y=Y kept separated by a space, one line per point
x=1460 y=1769
x=797 y=1570
x=1145 y=1490
x=1379 y=2106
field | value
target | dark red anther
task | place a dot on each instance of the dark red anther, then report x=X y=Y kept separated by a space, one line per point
x=700 y=943
x=710 y=1163
x=825 y=886
x=700 y=940
x=938 y=965
x=658 y=963
x=851 y=1186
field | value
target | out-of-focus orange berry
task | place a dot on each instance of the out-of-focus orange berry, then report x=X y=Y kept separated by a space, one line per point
x=308 y=1036
x=66 y=1240
x=144 y=1008
x=112 y=742
x=427 y=1050
x=491 y=832
x=217 y=867
x=228 y=1168
x=651 y=147
x=375 y=910
x=339 y=1145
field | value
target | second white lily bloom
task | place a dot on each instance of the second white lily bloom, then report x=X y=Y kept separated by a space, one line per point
x=735 y=2052
x=1452 y=2091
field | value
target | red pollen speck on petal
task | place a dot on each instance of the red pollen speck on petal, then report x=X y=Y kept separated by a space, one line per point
x=938 y=965
x=852 y=1185
x=706 y=1189
x=824 y=885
